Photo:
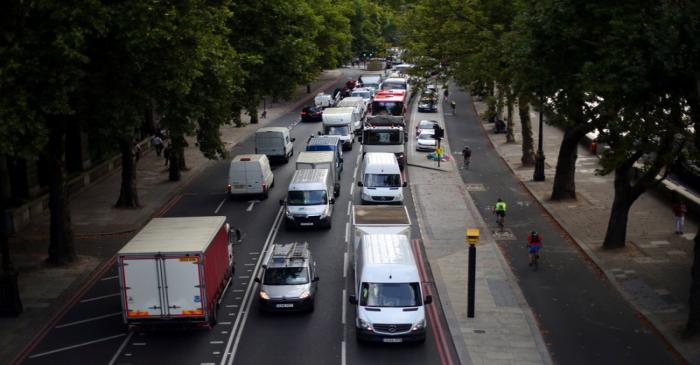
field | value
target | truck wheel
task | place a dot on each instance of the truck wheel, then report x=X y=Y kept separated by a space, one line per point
x=214 y=317
x=265 y=193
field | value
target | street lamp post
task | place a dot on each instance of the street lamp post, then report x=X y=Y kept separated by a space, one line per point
x=539 y=157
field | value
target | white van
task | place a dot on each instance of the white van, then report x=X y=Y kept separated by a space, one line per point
x=360 y=106
x=381 y=179
x=388 y=291
x=309 y=200
x=320 y=160
x=340 y=122
x=249 y=174
x=274 y=142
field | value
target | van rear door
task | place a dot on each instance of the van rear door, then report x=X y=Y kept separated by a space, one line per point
x=185 y=289
x=141 y=292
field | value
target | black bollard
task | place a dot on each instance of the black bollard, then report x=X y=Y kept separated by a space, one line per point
x=471 y=281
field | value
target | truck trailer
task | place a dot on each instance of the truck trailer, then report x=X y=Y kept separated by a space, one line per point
x=175 y=271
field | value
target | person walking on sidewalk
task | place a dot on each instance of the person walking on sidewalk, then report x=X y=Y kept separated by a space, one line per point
x=166 y=154
x=157 y=142
x=454 y=107
x=679 y=210
x=446 y=93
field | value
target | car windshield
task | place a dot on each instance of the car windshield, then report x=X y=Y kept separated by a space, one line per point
x=390 y=295
x=286 y=276
x=337 y=131
x=382 y=180
x=425 y=124
x=393 y=85
x=309 y=197
x=426 y=136
x=383 y=137
x=362 y=94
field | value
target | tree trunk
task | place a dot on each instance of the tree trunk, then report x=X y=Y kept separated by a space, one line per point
x=616 y=232
x=61 y=247
x=128 y=194
x=528 y=144
x=253 y=111
x=10 y=302
x=564 y=178
x=510 y=137
x=499 y=101
x=174 y=166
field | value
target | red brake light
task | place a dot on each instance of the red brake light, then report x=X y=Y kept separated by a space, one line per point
x=304 y=113
x=245 y=159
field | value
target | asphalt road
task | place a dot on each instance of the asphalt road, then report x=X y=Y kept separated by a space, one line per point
x=92 y=331
x=584 y=320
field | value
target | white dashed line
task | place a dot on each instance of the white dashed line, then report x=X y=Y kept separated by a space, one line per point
x=100 y=297
x=76 y=346
x=216 y=211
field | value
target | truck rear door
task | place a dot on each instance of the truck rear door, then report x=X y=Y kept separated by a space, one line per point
x=142 y=297
x=185 y=294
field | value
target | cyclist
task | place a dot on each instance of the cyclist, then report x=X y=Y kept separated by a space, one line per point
x=500 y=211
x=454 y=107
x=534 y=244
x=467 y=154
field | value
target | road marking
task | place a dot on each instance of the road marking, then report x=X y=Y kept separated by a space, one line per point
x=239 y=324
x=344 y=307
x=352 y=188
x=345 y=264
x=216 y=342
x=110 y=278
x=349 y=205
x=216 y=353
x=237 y=290
x=88 y=320
x=138 y=344
x=231 y=305
x=354 y=172
x=357 y=160
x=347 y=232
x=224 y=323
x=120 y=349
x=252 y=204
x=244 y=277
x=255 y=253
x=342 y=353
x=216 y=211
x=76 y=346
x=100 y=297
x=248 y=264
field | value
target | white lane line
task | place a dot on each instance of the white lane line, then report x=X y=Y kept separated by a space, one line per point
x=252 y=204
x=224 y=323
x=216 y=211
x=120 y=349
x=249 y=264
x=244 y=277
x=352 y=189
x=110 y=278
x=347 y=232
x=349 y=205
x=344 y=307
x=138 y=344
x=342 y=353
x=354 y=172
x=216 y=342
x=345 y=264
x=231 y=305
x=255 y=253
x=239 y=323
x=100 y=297
x=76 y=346
x=357 y=160
x=89 y=320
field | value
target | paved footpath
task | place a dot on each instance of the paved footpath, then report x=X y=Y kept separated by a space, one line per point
x=101 y=229
x=653 y=271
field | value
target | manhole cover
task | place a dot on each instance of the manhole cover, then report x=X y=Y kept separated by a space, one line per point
x=505 y=235
x=475 y=187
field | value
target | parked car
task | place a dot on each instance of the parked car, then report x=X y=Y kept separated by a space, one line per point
x=426 y=141
x=425 y=124
x=427 y=105
x=311 y=114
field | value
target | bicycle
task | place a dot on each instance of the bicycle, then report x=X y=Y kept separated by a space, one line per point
x=467 y=154
x=500 y=219
x=467 y=160
x=534 y=244
x=534 y=261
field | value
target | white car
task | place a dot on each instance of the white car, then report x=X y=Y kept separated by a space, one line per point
x=425 y=125
x=364 y=93
x=426 y=141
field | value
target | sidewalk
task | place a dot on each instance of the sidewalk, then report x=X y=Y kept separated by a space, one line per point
x=101 y=230
x=503 y=330
x=653 y=271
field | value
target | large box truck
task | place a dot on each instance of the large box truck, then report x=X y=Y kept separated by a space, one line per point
x=175 y=271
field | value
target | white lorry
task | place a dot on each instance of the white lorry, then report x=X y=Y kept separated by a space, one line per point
x=384 y=133
x=175 y=271
x=379 y=219
x=341 y=122
x=320 y=160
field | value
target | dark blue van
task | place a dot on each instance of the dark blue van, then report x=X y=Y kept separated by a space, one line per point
x=328 y=143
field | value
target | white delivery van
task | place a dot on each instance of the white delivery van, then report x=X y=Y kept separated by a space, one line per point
x=249 y=174
x=322 y=100
x=358 y=103
x=309 y=200
x=274 y=142
x=320 y=160
x=340 y=122
x=381 y=179
x=388 y=291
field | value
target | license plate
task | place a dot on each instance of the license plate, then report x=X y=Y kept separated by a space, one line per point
x=285 y=305
x=238 y=186
x=392 y=340
x=306 y=224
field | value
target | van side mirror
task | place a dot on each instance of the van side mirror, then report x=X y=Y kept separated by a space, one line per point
x=257 y=279
x=319 y=133
x=281 y=201
x=405 y=184
x=332 y=201
x=359 y=183
x=352 y=299
x=359 y=139
x=316 y=278
x=428 y=299
x=341 y=160
x=293 y=139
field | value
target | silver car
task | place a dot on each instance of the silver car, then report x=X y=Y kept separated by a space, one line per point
x=288 y=280
x=426 y=141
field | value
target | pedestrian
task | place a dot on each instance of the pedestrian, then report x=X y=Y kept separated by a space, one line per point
x=157 y=142
x=447 y=94
x=454 y=107
x=679 y=210
x=137 y=151
x=166 y=154
x=264 y=114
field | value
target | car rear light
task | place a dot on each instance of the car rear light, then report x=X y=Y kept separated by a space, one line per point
x=196 y=312
x=137 y=314
x=264 y=186
x=304 y=113
x=228 y=188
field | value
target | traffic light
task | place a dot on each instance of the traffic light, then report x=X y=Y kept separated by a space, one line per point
x=439 y=132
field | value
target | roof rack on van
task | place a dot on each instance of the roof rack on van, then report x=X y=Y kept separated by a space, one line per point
x=290 y=251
